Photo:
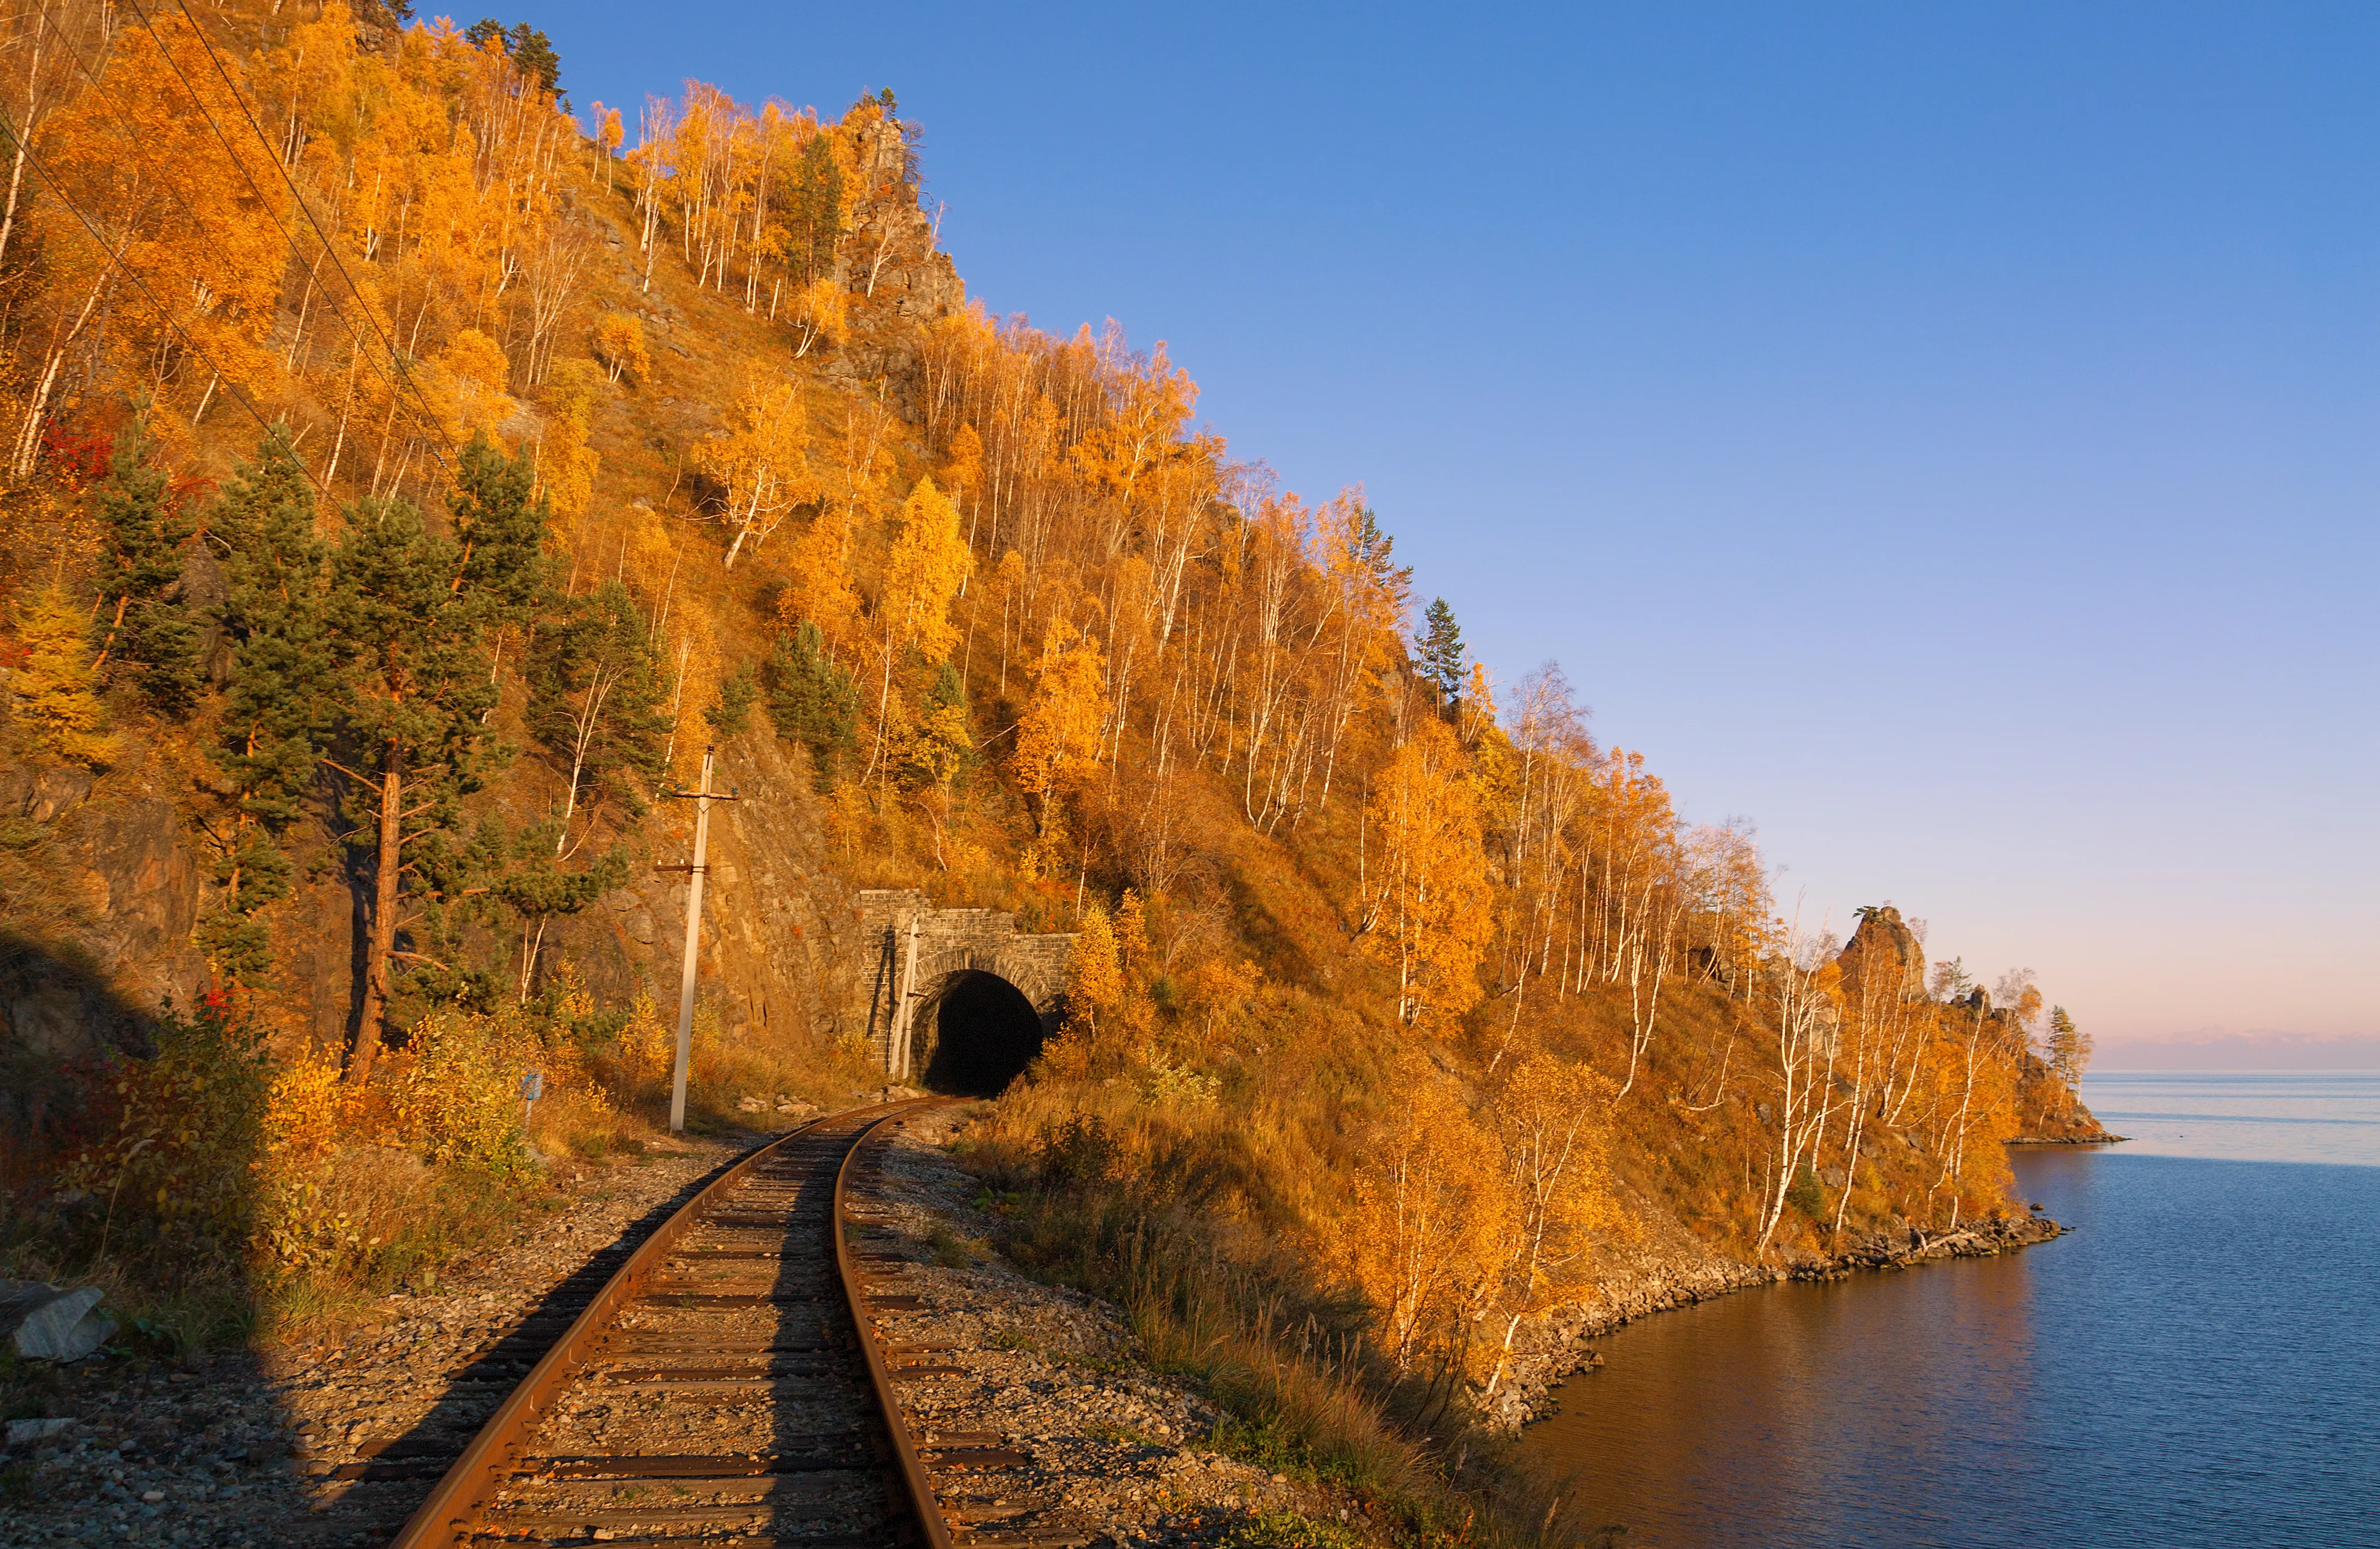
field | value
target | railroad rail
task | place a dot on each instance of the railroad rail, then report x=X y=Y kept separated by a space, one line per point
x=728 y=1385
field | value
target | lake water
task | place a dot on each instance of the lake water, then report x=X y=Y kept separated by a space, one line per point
x=2198 y=1363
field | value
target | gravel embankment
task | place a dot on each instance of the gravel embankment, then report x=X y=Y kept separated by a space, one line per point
x=243 y=1450
x=237 y=1450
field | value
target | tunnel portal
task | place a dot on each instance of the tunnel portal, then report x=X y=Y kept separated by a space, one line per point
x=964 y=980
x=986 y=1032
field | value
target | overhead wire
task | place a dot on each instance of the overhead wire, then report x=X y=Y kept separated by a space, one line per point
x=396 y=360
x=41 y=170
x=132 y=136
x=297 y=195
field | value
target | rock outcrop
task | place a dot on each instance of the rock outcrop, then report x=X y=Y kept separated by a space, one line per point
x=1883 y=937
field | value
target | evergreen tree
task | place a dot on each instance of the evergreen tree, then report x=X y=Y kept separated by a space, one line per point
x=139 y=569
x=595 y=700
x=813 y=701
x=2070 y=1049
x=816 y=209
x=530 y=50
x=282 y=696
x=738 y=692
x=1441 y=657
x=57 y=692
x=415 y=616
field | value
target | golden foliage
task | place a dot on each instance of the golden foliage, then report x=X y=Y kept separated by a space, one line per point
x=1423 y=899
x=57 y=692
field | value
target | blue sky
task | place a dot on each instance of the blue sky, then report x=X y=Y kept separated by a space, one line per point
x=1943 y=435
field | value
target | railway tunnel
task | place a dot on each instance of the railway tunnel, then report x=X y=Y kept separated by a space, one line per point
x=958 y=1001
x=977 y=1035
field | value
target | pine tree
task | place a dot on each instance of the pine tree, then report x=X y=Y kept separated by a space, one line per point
x=280 y=698
x=1441 y=657
x=57 y=692
x=2070 y=1049
x=139 y=568
x=813 y=702
x=731 y=711
x=816 y=209
x=415 y=616
x=595 y=700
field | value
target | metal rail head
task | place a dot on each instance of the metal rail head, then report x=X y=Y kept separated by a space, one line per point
x=446 y=1518
x=915 y=1481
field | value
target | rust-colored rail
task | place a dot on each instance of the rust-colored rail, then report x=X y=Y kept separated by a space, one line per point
x=456 y=1507
x=914 y=1480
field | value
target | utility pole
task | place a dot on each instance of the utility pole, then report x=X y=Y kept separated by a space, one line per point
x=701 y=800
x=909 y=988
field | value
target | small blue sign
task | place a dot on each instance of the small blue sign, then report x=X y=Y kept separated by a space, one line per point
x=533 y=1085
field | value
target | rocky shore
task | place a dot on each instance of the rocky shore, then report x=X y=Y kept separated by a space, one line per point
x=1656 y=1279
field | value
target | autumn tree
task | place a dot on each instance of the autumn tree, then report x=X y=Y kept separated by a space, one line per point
x=925 y=567
x=619 y=343
x=1548 y=1116
x=1421 y=901
x=1058 y=737
x=1427 y=1235
x=57 y=692
x=763 y=464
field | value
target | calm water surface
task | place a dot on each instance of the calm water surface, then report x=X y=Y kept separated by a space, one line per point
x=2198 y=1363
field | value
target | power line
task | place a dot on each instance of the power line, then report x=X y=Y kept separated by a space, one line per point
x=396 y=359
x=195 y=101
x=41 y=170
x=132 y=136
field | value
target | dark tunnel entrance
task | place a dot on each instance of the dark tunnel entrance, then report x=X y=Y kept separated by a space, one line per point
x=985 y=1033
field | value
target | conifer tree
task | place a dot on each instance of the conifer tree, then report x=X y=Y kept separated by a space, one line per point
x=813 y=701
x=595 y=700
x=816 y=209
x=139 y=568
x=416 y=615
x=731 y=711
x=57 y=692
x=1440 y=658
x=2070 y=1049
x=280 y=698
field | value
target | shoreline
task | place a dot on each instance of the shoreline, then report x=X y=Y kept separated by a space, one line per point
x=1557 y=1348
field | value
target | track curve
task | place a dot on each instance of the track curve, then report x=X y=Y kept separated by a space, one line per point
x=726 y=1386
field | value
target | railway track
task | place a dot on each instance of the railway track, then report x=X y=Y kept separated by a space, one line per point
x=730 y=1384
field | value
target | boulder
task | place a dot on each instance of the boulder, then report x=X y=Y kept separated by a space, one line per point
x=59 y=1325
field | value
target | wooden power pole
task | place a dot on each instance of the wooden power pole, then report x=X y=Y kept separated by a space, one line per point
x=701 y=800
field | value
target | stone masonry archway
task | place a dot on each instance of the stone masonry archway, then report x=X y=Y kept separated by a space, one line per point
x=949 y=990
x=973 y=1035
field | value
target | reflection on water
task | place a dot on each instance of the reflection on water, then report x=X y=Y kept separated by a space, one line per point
x=2198 y=1363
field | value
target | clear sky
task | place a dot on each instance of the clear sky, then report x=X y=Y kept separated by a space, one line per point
x=1941 y=434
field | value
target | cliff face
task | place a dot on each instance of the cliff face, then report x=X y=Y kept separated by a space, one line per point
x=101 y=887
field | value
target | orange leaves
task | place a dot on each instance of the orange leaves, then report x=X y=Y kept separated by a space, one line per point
x=928 y=563
x=1422 y=1239
x=763 y=463
x=1423 y=902
x=821 y=311
x=1058 y=740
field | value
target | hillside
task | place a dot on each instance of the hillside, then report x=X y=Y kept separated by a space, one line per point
x=411 y=481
